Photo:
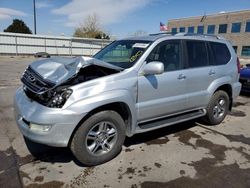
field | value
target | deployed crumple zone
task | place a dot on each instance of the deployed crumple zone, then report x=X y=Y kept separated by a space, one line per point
x=44 y=79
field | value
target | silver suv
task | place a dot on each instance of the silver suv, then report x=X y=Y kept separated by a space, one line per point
x=131 y=86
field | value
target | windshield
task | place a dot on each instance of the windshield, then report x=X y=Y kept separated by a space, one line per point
x=123 y=53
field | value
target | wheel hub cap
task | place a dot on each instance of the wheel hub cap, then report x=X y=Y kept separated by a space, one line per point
x=219 y=109
x=101 y=138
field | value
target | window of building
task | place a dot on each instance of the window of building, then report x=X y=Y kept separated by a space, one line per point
x=200 y=29
x=245 y=51
x=197 y=54
x=235 y=49
x=182 y=29
x=220 y=52
x=248 y=26
x=222 y=28
x=174 y=30
x=210 y=29
x=191 y=29
x=168 y=53
x=236 y=27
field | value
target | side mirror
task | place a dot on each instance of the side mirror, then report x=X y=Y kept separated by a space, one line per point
x=154 y=67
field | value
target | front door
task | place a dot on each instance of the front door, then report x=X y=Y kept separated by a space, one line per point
x=164 y=94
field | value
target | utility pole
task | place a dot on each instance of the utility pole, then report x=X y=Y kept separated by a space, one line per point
x=34 y=7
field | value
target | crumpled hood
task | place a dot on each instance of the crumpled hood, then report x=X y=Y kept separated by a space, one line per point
x=60 y=69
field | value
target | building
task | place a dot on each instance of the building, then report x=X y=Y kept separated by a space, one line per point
x=234 y=26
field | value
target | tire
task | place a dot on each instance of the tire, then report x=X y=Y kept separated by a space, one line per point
x=217 y=108
x=99 y=139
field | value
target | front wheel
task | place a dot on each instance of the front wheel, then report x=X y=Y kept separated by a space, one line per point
x=217 y=108
x=99 y=138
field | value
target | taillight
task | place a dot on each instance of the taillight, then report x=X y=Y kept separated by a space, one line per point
x=238 y=65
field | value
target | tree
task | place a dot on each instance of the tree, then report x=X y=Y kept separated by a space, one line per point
x=18 y=26
x=90 y=29
x=139 y=33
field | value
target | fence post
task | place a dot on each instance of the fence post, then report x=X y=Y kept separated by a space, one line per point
x=16 y=45
x=70 y=45
x=56 y=47
x=45 y=48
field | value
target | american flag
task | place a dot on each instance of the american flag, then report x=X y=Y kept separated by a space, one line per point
x=163 y=27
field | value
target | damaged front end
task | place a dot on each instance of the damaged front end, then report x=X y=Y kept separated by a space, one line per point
x=48 y=81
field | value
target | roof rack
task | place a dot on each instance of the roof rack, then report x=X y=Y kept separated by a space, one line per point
x=162 y=33
x=202 y=35
x=188 y=34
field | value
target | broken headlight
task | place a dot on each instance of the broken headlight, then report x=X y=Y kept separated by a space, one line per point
x=59 y=99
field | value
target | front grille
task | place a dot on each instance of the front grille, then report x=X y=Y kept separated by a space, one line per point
x=34 y=82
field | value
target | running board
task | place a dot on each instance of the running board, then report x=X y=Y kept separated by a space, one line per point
x=170 y=120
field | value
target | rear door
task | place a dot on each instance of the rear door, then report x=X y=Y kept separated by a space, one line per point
x=200 y=72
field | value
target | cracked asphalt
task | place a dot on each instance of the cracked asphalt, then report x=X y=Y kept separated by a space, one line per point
x=189 y=154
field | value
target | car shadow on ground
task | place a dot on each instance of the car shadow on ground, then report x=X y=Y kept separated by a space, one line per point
x=158 y=133
x=245 y=94
x=53 y=155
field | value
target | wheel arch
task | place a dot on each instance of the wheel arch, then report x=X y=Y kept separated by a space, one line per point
x=120 y=107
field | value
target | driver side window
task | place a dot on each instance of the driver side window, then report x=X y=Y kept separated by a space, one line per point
x=168 y=53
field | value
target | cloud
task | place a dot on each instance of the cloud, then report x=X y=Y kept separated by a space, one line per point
x=42 y=4
x=108 y=11
x=7 y=13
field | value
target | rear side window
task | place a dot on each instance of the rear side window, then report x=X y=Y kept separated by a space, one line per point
x=197 y=54
x=220 y=52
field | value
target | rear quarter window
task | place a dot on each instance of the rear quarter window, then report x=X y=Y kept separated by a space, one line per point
x=197 y=54
x=220 y=53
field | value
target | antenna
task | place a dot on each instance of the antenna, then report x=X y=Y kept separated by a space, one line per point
x=203 y=17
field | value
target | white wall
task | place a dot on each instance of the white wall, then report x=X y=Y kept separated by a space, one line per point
x=26 y=44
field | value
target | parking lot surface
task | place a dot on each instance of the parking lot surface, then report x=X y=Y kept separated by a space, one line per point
x=185 y=155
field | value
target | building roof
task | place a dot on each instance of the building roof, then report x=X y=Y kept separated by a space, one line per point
x=223 y=13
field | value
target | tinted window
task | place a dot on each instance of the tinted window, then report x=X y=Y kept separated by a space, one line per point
x=197 y=53
x=220 y=52
x=248 y=26
x=174 y=30
x=211 y=29
x=245 y=51
x=236 y=27
x=222 y=28
x=190 y=29
x=182 y=29
x=168 y=53
x=200 y=29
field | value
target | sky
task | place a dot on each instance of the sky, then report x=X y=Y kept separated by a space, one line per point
x=119 y=18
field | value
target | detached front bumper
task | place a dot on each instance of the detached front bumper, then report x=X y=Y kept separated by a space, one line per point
x=49 y=126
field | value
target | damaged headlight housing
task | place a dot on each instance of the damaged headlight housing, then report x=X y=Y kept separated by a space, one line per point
x=59 y=99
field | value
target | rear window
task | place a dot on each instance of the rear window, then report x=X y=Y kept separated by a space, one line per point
x=197 y=54
x=220 y=52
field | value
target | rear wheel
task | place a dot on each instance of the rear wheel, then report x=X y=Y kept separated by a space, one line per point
x=217 y=108
x=99 y=138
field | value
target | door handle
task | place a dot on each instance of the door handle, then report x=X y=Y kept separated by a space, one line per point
x=211 y=72
x=181 y=77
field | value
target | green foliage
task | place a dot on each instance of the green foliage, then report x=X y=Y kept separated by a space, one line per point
x=18 y=26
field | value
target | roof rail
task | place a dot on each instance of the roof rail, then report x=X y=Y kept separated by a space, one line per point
x=202 y=35
x=162 y=33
